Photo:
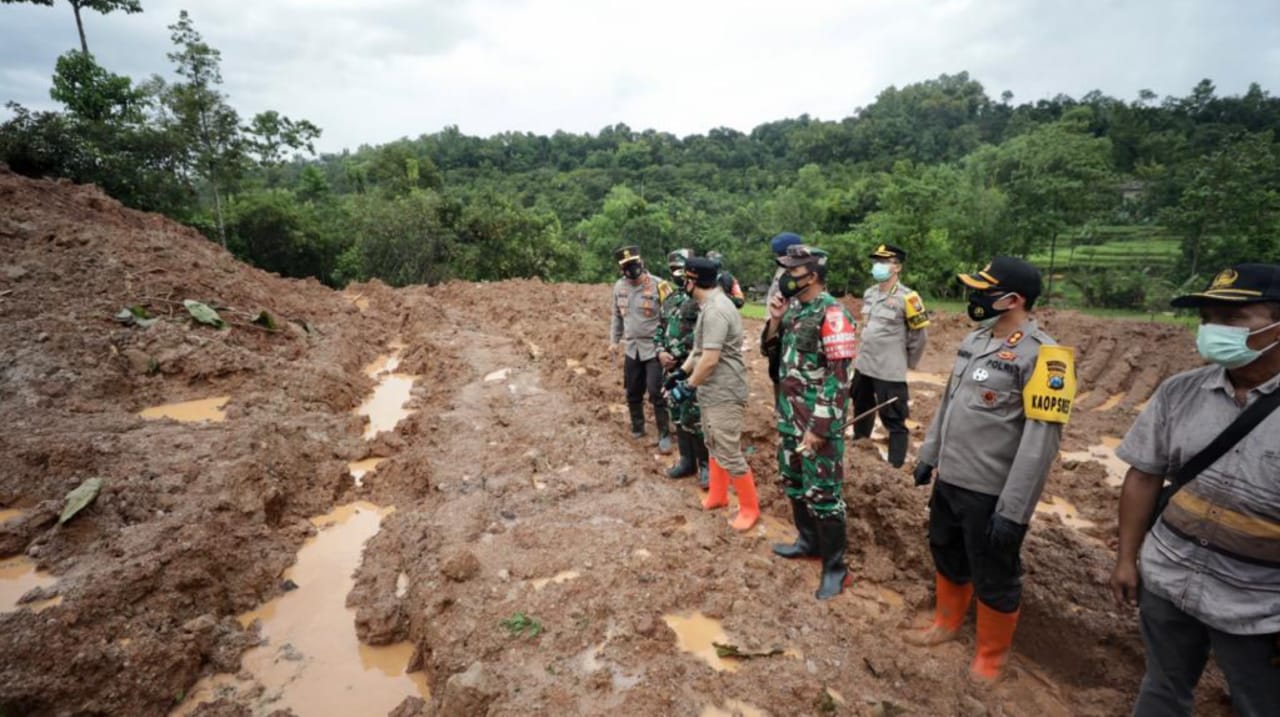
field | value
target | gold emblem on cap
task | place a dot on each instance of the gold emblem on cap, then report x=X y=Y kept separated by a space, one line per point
x=1224 y=280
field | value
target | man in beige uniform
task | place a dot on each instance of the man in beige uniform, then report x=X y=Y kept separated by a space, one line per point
x=636 y=313
x=892 y=341
x=717 y=379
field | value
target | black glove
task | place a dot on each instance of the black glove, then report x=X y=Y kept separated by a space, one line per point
x=682 y=392
x=675 y=377
x=923 y=473
x=1004 y=534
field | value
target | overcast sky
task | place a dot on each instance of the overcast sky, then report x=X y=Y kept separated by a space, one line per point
x=370 y=71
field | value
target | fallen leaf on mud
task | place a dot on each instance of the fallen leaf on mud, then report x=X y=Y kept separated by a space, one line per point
x=79 y=498
x=205 y=315
x=727 y=650
x=522 y=624
x=135 y=315
x=266 y=321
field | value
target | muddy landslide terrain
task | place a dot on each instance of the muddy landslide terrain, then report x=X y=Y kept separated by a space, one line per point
x=524 y=555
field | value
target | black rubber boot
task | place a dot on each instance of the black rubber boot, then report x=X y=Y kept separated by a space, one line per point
x=704 y=461
x=831 y=543
x=898 y=449
x=687 y=465
x=806 y=545
x=637 y=419
x=664 y=430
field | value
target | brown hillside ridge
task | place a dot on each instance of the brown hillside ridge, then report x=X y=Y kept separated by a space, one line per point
x=531 y=558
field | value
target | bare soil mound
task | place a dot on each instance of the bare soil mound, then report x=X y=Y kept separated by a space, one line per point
x=519 y=497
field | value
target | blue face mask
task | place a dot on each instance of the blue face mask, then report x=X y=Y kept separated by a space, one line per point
x=1228 y=346
x=881 y=271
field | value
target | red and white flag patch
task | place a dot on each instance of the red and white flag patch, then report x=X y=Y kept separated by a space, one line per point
x=839 y=335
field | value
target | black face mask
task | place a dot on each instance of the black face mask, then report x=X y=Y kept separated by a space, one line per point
x=633 y=270
x=789 y=285
x=982 y=306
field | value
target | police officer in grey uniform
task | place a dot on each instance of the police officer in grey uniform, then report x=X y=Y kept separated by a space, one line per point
x=635 y=318
x=992 y=442
x=892 y=341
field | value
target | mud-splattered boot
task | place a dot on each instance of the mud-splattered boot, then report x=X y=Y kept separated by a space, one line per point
x=703 y=457
x=637 y=419
x=748 y=502
x=898 y=449
x=995 y=639
x=718 y=490
x=664 y=429
x=688 y=464
x=832 y=541
x=952 y=605
x=806 y=545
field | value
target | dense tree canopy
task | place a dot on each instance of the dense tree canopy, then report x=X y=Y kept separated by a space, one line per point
x=1167 y=189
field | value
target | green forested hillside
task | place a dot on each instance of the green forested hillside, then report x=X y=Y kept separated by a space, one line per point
x=1125 y=199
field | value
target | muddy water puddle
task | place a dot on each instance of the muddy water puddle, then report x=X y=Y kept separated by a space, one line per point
x=1066 y=511
x=18 y=576
x=312 y=661
x=385 y=407
x=201 y=410
x=563 y=576
x=931 y=379
x=696 y=633
x=1104 y=453
x=362 y=468
x=732 y=708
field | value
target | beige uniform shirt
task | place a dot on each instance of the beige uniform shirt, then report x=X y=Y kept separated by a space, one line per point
x=636 y=314
x=887 y=347
x=720 y=327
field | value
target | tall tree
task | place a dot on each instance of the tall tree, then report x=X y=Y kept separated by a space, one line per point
x=202 y=115
x=102 y=6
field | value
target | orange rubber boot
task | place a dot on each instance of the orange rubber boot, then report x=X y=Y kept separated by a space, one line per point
x=995 y=639
x=748 y=502
x=948 y=614
x=718 y=492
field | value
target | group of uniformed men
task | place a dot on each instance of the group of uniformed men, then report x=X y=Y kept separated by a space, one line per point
x=990 y=445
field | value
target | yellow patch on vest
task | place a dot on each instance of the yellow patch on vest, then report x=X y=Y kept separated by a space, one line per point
x=913 y=307
x=1048 y=395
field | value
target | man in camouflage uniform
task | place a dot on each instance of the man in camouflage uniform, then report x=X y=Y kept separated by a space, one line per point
x=892 y=341
x=992 y=442
x=674 y=341
x=635 y=321
x=816 y=340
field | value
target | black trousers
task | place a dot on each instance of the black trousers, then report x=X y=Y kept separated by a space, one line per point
x=867 y=392
x=641 y=376
x=1178 y=646
x=958 y=524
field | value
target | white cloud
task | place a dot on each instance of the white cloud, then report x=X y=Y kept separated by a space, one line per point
x=369 y=71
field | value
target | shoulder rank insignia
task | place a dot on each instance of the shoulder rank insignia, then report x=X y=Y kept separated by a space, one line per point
x=1013 y=339
x=1052 y=388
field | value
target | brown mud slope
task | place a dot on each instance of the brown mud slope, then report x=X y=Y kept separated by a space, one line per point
x=516 y=488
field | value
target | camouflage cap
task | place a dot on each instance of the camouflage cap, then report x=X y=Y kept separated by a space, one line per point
x=803 y=255
x=677 y=258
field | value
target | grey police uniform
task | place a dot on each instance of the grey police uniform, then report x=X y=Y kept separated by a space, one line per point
x=990 y=458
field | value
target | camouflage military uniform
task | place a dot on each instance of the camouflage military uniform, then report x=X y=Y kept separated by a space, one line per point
x=679 y=316
x=812 y=394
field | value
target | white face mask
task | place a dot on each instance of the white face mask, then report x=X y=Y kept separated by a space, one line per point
x=1228 y=346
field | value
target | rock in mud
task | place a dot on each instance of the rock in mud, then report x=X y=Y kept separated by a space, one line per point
x=469 y=693
x=411 y=707
x=461 y=567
